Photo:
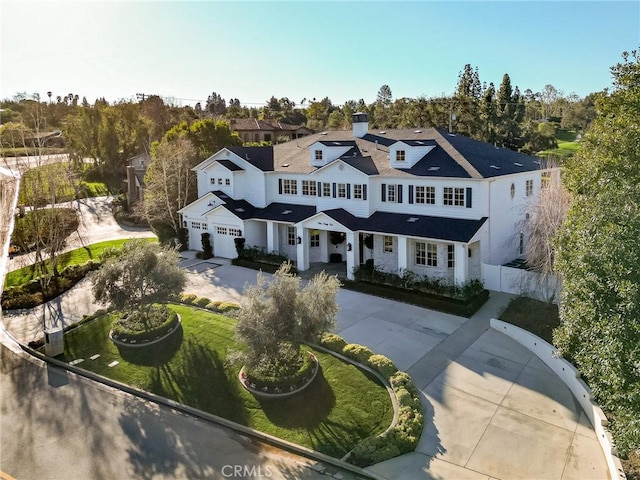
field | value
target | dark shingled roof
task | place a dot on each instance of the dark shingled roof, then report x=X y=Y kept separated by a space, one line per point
x=274 y=211
x=483 y=155
x=229 y=165
x=259 y=157
x=437 y=228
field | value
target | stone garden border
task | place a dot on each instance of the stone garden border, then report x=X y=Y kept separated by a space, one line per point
x=146 y=343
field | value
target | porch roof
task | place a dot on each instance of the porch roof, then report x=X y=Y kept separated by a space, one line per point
x=280 y=212
x=422 y=226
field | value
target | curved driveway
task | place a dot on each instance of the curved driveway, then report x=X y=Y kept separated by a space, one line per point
x=492 y=409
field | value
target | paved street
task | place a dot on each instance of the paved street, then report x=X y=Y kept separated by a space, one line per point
x=96 y=225
x=56 y=425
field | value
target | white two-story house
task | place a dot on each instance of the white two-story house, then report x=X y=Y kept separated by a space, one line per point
x=425 y=200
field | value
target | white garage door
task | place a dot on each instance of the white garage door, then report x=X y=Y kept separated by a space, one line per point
x=223 y=243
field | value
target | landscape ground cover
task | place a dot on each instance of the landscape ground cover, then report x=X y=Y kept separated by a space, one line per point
x=73 y=257
x=341 y=407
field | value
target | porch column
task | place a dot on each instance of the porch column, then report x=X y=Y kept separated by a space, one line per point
x=324 y=246
x=302 y=248
x=272 y=237
x=403 y=253
x=353 y=253
x=461 y=270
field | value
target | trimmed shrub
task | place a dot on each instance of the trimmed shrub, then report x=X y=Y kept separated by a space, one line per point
x=188 y=298
x=213 y=305
x=228 y=306
x=145 y=325
x=296 y=380
x=333 y=342
x=201 y=302
x=359 y=353
x=382 y=365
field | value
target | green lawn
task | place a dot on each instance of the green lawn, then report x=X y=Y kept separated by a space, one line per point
x=74 y=257
x=567 y=145
x=539 y=318
x=38 y=184
x=341 y=407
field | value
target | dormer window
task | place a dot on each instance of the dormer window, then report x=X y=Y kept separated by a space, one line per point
x=318 y=154
x=400 y=156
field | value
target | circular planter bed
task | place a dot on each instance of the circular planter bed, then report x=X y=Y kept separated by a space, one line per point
x=156 y=337
x=283 y=389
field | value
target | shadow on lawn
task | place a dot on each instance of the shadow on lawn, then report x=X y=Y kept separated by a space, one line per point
x=156 y=354
x=198 y=377
x=306 y=409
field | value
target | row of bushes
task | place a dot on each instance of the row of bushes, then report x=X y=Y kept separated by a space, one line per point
x=213 y=305
x=145 y=324
x=258 y=265
x=257 y=254
x=33 y=294
x=409 y=280
x=404 y=436
x=454 y=306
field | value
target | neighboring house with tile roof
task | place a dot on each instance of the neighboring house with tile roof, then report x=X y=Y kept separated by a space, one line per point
x=253 y=130
x=422 y=200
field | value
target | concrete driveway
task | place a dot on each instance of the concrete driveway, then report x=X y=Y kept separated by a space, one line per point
x=492 y=410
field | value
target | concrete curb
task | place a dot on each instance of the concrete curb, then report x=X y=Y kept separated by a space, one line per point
x=571 y=378
x=247 y=431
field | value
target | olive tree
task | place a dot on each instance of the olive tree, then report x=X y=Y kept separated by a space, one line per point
x=138 y=275
x=278 y=315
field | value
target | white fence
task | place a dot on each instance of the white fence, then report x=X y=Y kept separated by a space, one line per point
x=521 y=282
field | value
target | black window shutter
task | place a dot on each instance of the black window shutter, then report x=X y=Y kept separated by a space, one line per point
x=384 y=192
x=319 y=192
x=334 y=190
x=410 y=193
x=348 y=190
x=468 y=197
x=364 y=192
x=280 y=186
x=399 y=193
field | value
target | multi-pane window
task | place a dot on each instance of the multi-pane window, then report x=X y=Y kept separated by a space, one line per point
x=421 y=253
x=221 y=230
x=212 y=181
x=387 y=244
x=227 y=181
x=309 y=188
x=400 y=156
x=219 y=181
x=426 y=195
x=314 y=240
x=357 y=191
x=318 y=154
x=453 y=196
x=529 y=188
x=326 y=189
x=235 y=232
x=197 y=225
x=291 y=235
x=432 y=255
x=289 y=187
x=451 y=256
x=391 y=193
x=342 y=190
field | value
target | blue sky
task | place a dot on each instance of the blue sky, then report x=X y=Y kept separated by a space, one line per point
x=307 y=49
